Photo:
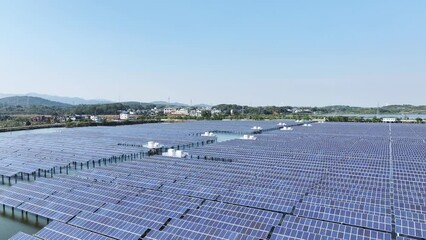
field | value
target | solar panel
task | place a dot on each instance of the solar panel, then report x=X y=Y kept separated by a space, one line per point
x=108 y=225
x=57 y=230
x=22 y=236
x=304 y=228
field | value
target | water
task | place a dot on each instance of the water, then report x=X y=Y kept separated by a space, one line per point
x=222 y=137
x=10 y=224
x=35 y=131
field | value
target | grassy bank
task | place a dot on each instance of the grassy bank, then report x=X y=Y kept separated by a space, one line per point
x=31 y=127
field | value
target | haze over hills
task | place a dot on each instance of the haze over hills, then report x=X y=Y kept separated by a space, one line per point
x=178 y=104
x=63 y=102
x=27 y=101
x=67 y=100
x=36 y=102
x=70 y=100
x=81 y=101
x=37 y=105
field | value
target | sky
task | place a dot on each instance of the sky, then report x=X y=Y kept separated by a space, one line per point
x=284 y=52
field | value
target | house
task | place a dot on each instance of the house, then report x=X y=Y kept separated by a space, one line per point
x=124 y=116
x=176 y=112
x=409 y=121
x=41 y=119
x=96 y=118
x=181 y=111
x=168 y=111
x=76 y=117
x=195 y=113
x=389 y=120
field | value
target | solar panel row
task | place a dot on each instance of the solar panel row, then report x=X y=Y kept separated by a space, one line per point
x=57 y=230
x=23 y=236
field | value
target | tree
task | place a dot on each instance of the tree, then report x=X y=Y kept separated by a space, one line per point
x=206 y=114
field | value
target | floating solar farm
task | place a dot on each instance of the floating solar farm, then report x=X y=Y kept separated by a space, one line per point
x=318 y=181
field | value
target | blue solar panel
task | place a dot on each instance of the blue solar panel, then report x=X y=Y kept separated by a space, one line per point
x=22 y=236
x=411 y=228
x=57 y=230
x=304 y=228
x=108 y=225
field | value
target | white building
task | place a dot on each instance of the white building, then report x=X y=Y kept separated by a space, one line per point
x=182 y=111
x=174 y=111
x=389 y=120
x=96 y=119
x=124 y=116
x=169 y=111
x=195 y=113
x=175 y=153
x=215 y=111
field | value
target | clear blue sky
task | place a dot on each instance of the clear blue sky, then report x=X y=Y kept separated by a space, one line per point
x=280 y=52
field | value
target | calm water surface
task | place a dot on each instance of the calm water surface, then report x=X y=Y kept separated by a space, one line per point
x=12 y=223
x=222 y=137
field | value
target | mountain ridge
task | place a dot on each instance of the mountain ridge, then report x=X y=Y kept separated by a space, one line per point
x=75 y=101
x=67 y=100
x=27 y=101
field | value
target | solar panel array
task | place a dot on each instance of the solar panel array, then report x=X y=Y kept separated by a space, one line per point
x=27 y=156
x=328 y=181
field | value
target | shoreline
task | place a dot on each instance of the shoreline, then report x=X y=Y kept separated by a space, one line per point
x=78 y=125
x=25 y=128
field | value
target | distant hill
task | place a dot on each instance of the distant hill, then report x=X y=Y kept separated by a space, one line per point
x=38 y=105
x=80 y=101
x=27 y=101
x=3 y=95
x=69 y=100
x=390 y=109
x=177 y=104
x=202 y=106
x=164 y=103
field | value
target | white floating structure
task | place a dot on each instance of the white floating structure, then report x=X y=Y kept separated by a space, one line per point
x=152 y=145
x=175 y=153
x=248 y=137
x=208 y=134
x=287 y=129
x=282 y=124
x=307 y=125
x=256 y=128
x=299 y=121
